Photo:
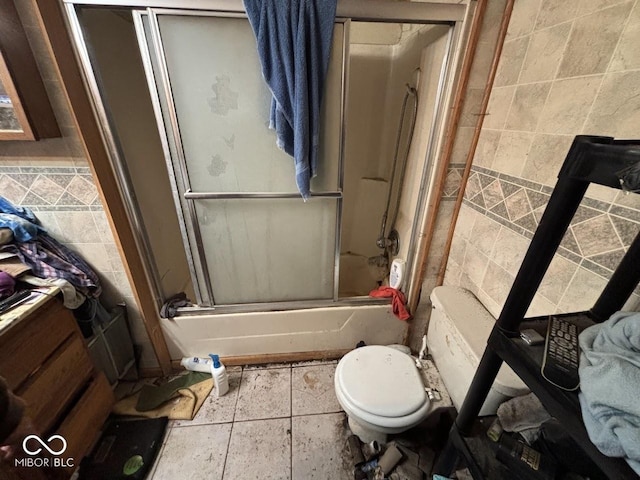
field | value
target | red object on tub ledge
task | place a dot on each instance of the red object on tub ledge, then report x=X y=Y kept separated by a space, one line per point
x=398 y=301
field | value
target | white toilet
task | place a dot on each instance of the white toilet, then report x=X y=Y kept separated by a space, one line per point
x=381 y=391
x=457 y=336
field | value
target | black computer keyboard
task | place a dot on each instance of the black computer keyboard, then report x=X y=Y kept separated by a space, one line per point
x=14 y=300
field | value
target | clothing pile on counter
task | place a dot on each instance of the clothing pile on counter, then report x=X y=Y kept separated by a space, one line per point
x=610 y=386
x=29 y=254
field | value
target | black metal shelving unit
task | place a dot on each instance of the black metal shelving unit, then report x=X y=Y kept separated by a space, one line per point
x=591 y=159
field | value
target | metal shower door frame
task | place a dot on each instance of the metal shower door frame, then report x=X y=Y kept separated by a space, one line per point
x=360 y=10
x=184 y=197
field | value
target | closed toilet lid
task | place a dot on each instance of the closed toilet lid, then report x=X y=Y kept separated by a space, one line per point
x=381 y=381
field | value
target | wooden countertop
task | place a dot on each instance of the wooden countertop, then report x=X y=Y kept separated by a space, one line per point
x=39 y=297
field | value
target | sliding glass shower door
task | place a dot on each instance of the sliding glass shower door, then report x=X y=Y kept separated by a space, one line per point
x=248 y=235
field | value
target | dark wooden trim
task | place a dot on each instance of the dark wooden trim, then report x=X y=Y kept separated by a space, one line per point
x=53 y=24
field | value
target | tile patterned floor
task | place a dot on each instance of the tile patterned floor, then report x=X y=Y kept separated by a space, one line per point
x=276 y=422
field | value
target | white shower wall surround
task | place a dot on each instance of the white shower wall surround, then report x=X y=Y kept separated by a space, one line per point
x=202 y=153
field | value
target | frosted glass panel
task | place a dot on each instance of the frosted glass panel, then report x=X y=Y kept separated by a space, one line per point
x=269 y=250
x=222 y=104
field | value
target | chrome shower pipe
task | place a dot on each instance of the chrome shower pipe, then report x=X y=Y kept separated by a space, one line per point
x=382 y=241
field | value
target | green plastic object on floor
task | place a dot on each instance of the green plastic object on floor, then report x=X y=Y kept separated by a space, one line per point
x=152 y=396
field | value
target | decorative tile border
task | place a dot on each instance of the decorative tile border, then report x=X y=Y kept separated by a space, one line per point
x=598 y=236
x=50 y=188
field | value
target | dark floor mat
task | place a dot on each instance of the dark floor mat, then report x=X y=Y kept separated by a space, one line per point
x=126 y=450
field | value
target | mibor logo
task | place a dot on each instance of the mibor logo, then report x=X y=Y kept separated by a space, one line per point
x=33 y=445
x=25 y=444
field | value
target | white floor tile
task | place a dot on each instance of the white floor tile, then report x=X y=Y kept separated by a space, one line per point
x=196 y=452
x=313 y=391
x=264 y=394
x=218 y=410
x=319 y=448
x=260 y=449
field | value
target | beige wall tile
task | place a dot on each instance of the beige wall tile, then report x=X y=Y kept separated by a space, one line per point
x=461 y=144
x=616 y=111
x=513 y=53
x=545 y=158
x=545 y=53
x=491 y=21
x=523 y=18
x=484 y=234
x=95 y=255
x=583 y=291
x=471 y=108
x=600 y=192
x=466 y=219
x=568 y=105
x=626 y=55
x=12 y=190
x=627 y=200
x=487 y=147
x=527 y=106
x=481 y=64
x=78 y=227
x=475 y=264
x=540 y=306
x=596 y=235
x=497 y=283
x=488 y=302
x=557 y=278
x=458 y=249
x=593 y=41
x=498 y=107
x=509 y=250
x=553 y=12
x=512 y=152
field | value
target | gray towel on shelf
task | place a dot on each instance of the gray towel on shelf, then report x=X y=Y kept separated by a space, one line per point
x=610 y=386
x=294 y=43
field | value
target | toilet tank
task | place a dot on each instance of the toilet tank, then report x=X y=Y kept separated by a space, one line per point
x=458 y=331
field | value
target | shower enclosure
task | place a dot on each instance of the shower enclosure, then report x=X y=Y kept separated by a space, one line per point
x=185 y=114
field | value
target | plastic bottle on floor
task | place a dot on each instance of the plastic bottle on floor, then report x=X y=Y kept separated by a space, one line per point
x=219 y=374
x=197 y=364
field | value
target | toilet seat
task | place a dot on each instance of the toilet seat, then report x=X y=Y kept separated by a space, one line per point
x=381 y=386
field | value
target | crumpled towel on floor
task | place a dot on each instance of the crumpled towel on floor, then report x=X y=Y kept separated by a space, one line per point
x=610 y=386
x=398 y=301
x=179 y=399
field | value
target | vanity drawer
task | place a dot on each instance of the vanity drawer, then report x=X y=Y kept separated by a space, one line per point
x=24 y=347
x=52 y=387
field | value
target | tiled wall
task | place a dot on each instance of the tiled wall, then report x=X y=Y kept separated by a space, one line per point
x=567 y=68
x=52 y=178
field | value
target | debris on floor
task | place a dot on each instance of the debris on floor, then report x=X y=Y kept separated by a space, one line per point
x=407 y=456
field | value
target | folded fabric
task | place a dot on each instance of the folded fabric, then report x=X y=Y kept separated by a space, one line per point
x=398 y=301
x=183 y=405
x=71 y=298
x=23 y=230
x=522 y=413
x=48 y=258
x=152 y=396
x=610 y=386
x=6 y=236
x=170 y=307
x=294 y=43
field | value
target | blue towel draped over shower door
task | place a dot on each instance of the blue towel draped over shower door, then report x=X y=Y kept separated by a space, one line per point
x=294 y=43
